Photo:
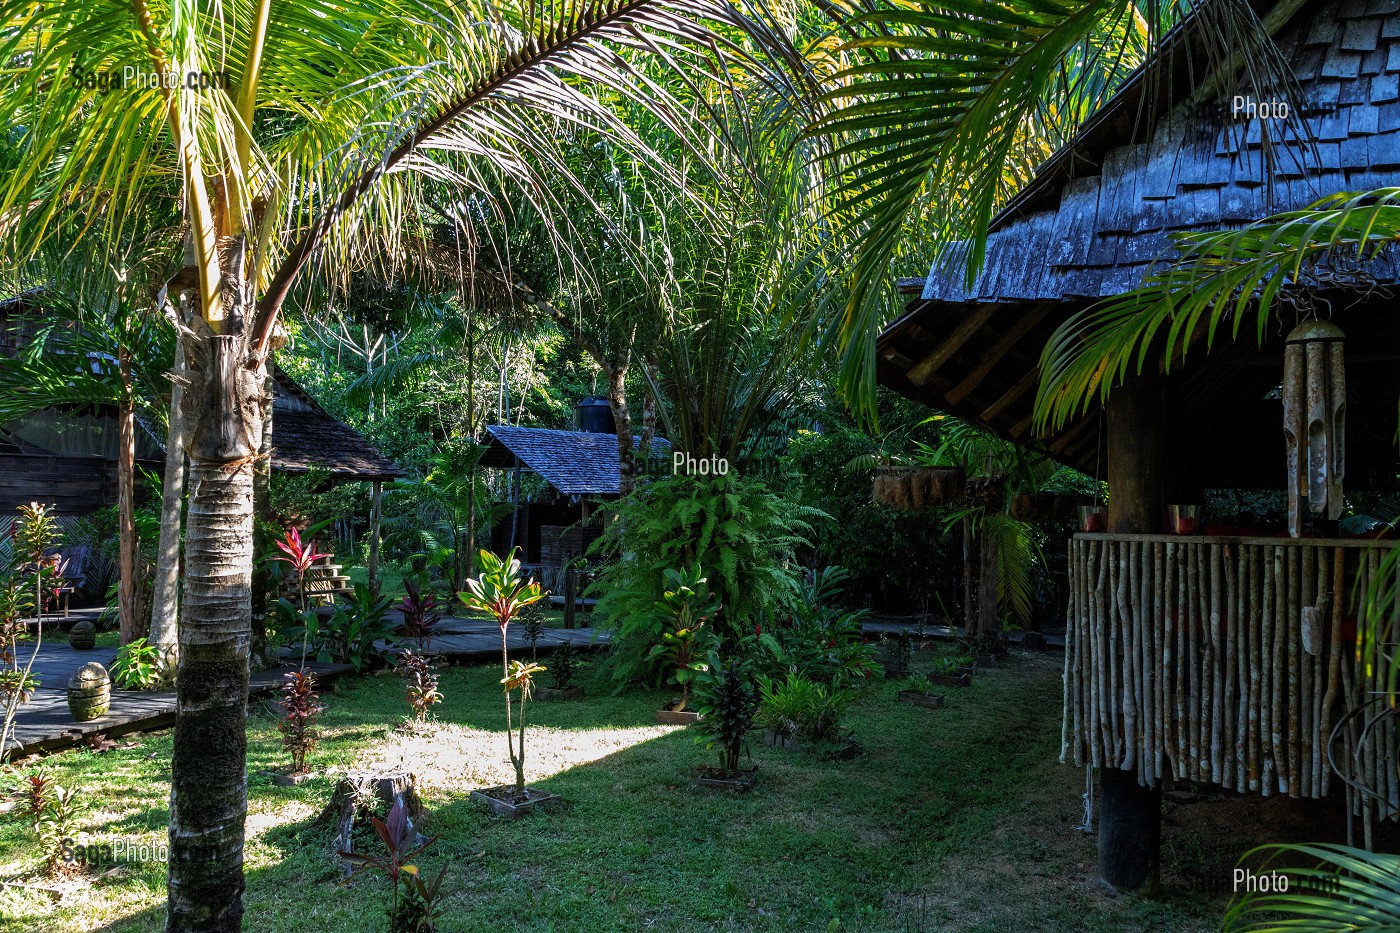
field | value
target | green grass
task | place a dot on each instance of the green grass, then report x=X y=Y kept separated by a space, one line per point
x=953 y=819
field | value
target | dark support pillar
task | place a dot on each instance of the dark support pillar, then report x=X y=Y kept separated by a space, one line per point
x=1130 y=816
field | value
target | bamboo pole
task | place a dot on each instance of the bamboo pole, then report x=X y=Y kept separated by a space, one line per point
x=1266 y=671
x=1278 y=672
x=1372 y=759
x=1305 y=602
x=1101 y=671
x=1069 y=720
x=1216 y=687
x=1182 y=723
x=1334 y=655
x=1148 y=666
x=1252 y=629
x=1113 y=747
x=1292 y=621
x=1127 y=760
x=1160 y=652
x=1195 y=556
x=1231 y=661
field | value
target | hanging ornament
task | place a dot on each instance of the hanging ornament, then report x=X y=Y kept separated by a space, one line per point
x=1314 y=420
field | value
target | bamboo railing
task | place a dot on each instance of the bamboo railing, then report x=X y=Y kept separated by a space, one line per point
x=1223 y=660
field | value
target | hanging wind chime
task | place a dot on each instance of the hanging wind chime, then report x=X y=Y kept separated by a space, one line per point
x=1314 y=420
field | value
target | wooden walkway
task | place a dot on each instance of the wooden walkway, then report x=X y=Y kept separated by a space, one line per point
x=474 y=641
x=44 y=723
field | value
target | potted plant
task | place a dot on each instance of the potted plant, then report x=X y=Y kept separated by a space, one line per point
x=728 y=712
x=953 y=671
x=499 y=590
x=687 y=605
x=918 y=690
x=563 y=664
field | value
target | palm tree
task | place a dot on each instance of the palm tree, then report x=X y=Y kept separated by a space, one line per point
x=299 y=133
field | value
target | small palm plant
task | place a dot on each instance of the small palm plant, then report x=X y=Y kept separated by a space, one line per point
x=687 y=604
x=500 y=591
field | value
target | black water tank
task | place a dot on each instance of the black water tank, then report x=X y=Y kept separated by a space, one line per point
x=595 y=416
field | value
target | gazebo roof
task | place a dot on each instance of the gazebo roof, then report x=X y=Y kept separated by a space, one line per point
x=1099 y=213
x=305 y=436
x=577 y=463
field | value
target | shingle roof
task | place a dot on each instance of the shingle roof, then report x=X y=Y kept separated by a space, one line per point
x=1100 y=211
x=577 y=463
x=304 y=436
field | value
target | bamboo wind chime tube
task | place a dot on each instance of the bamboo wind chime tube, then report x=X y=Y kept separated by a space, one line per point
x=1124 y=625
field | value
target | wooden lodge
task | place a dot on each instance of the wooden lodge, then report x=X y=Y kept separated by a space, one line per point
x=1227 y=657
x=579 y=469
x=68 y=459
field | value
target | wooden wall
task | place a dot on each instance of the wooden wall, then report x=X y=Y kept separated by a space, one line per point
x=71 y=485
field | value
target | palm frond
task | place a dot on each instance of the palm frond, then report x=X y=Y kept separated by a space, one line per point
x=1344 y=890
x=1219 y=284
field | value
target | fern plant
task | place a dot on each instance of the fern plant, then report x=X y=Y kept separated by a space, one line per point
x=740 y=531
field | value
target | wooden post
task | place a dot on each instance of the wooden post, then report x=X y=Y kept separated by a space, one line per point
x=375 y=515
x=1130 y=817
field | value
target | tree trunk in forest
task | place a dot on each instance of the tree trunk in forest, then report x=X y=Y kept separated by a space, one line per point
x=165 y=600
x=208 y=789
x=372 y=565
x=622 y=417
x=988 y=623
x=129 y=625
x=648 y=418
x=262 y=497
x=969 y=596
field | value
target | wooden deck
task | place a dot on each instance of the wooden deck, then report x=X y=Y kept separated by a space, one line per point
x=44 y=723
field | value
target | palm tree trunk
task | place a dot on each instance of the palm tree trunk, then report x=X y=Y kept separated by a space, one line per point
x=988 y=626
x=165 y=600
x=622 y=417
x=128 y=623
x=208 y=791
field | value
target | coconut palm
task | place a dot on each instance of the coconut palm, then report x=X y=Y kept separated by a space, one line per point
x=300 y=135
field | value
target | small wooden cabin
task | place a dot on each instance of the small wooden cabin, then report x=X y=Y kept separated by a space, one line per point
x=1223 y=658
x=579 y=468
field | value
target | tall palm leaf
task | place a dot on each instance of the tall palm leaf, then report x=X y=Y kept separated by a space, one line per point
x=1344 y=890
x=1220 y=284
x=947 y=109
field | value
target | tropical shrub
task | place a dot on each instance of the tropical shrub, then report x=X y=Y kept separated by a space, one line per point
x=411 y=910
x=138 y=666
x=532 y=619
x=816 y=638
x=687 y=605
x=742 y=533
x=563 y=664
x=951 y=664
x=420 y=618
x=358 y=633
x=301 y=707
x=797 y=705
x=422 y=683
x=52 y=812
x=500 y=591
x=728 y=709
x=919 y=683
x=27 y=574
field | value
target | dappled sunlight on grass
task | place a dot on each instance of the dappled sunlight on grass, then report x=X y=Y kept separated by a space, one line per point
x=450 y=757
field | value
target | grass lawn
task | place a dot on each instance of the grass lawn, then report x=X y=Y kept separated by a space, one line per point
x=953 y=819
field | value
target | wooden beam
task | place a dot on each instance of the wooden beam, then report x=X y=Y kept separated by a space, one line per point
x=1028 y=382
x=998 y=350
x=961 y=334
